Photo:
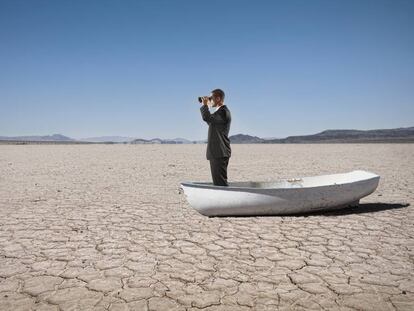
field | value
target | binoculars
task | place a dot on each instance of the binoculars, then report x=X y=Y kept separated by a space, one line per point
x=200 y=99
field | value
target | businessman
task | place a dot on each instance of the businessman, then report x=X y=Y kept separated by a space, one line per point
x=218 y=145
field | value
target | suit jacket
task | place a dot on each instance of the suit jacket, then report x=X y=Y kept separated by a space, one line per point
x=218 y=145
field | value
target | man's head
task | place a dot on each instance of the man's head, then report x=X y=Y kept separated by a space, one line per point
x=217 y=96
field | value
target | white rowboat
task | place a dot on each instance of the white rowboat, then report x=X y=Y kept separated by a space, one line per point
x=283 y=197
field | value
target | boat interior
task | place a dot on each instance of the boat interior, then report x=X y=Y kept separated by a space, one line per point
x=301 y=182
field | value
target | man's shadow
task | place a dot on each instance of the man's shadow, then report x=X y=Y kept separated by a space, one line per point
x=363 y=208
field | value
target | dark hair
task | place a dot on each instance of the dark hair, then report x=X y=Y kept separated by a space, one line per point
x=218 y=92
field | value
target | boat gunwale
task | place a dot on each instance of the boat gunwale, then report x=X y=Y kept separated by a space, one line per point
x=256 y=189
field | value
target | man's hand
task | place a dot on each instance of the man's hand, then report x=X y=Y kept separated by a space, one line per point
x=205 y=100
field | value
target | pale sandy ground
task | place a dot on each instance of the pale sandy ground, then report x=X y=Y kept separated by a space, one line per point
x=104 y=227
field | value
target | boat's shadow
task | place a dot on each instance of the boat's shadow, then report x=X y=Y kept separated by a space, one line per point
x=362 y=208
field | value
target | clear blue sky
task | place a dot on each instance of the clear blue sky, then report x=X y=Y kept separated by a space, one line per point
x=135 y=68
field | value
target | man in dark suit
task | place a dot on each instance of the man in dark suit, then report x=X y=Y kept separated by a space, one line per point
x=218 y=146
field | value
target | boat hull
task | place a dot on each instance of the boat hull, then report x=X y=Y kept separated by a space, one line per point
x=212 y=200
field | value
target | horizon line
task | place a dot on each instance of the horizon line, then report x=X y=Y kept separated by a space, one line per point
x=178 y=137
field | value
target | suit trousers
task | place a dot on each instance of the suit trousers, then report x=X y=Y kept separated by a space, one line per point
x=218 y=168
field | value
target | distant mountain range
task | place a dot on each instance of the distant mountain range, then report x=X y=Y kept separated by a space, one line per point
x=54 y=137
x=329 y=136
x=335 y=136
x=103 y=139
x=162 y=141
x=245 y=139
x=352 y=136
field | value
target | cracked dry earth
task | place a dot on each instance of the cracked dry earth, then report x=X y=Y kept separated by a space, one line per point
x=105 y=227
